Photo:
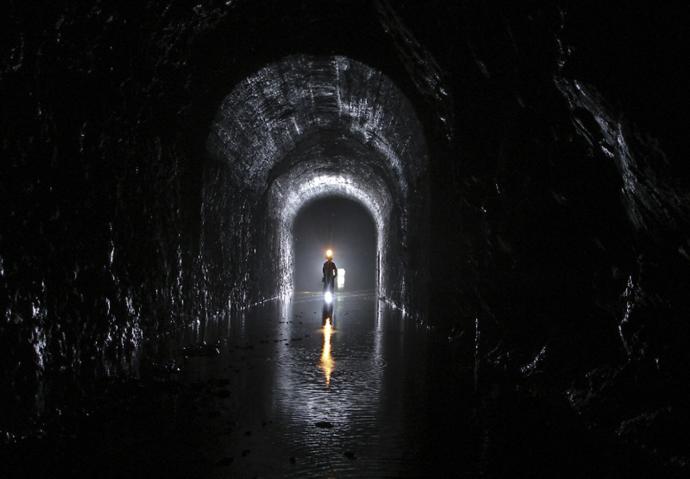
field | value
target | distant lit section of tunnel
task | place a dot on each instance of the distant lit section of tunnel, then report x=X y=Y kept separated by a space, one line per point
x=306 y=128
x=348 y=229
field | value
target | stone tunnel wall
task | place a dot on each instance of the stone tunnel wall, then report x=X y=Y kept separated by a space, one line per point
x=558 y=216
x=337 y=121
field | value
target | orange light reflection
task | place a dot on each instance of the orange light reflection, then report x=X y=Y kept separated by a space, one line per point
x=327 y=362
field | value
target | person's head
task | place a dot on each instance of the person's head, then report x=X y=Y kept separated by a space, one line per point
x=329 y=255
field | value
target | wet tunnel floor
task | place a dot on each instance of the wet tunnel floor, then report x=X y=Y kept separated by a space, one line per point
x=273 y=394
x=351 y=399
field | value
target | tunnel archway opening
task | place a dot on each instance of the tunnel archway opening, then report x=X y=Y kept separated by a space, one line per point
x=292 y=192
x=303 y=128
x=345 y=226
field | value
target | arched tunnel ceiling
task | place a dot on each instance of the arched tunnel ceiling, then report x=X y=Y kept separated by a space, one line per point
x=306 y=127
x=311 y=99
x=351 y=168
x=310 y=181
x=330 y=164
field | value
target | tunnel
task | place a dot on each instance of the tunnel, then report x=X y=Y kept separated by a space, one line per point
x=502 y=187
x=309 y=127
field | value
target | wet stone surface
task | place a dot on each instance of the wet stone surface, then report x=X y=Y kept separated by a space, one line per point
x=276 y=393
x=348 y=398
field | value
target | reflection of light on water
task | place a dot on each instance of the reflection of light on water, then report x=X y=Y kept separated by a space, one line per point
x=341 y=278
x=326 y=358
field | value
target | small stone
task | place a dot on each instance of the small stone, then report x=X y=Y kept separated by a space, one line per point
x=350 y=455
x=324 y=424
x=200 y=350
x=292 y=460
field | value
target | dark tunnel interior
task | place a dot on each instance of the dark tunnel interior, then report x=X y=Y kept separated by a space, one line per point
x=348 y=229
x=504 y=184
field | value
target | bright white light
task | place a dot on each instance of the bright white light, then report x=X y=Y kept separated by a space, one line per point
x=328 y=297
x=341 y=278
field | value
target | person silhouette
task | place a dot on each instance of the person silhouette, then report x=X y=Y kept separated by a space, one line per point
x=330 y=272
